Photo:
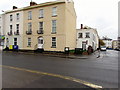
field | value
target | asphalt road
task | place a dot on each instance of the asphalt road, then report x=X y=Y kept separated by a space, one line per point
x=21 y=69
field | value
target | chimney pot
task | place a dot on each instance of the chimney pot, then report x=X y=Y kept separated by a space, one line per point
x=81 y=26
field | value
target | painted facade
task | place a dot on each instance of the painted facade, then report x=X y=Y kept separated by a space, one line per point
x=14 y=28
x=50 y=26
x=86 y=37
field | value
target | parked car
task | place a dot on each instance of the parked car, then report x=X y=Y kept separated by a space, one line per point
x=103 y=48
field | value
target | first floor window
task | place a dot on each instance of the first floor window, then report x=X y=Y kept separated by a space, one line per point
x=53 y=42
x=15 y=41
x=29 y=42
x=54 y=26
x=87 y=35
x=80 y=35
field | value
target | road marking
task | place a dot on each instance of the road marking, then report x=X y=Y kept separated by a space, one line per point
x=55 y=75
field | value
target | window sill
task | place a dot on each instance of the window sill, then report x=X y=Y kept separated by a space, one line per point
x=54 y=15
x=53 y=47
x=40 y=17
x=53 y=32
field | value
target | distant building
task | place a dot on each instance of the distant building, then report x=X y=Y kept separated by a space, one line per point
x=107 y=41
x=115 y=44
x=86 y=37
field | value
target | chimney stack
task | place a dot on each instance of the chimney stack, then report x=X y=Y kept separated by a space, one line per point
x=33 y=3
x=14 y=7
x=81 y=26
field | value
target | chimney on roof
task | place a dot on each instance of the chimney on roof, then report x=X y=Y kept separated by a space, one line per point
x=81 y=26
x=33 y=3
x=14 y=7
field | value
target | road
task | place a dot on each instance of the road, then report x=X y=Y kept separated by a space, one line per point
x=26 y=70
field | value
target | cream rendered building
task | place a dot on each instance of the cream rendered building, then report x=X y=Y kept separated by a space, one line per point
x=50 y=26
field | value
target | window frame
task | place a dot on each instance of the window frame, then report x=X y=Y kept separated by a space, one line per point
x=80 y=35
x=29 y=26
x=17 y=16
x=29 y=15
x=54 y=42
x=87 y=35
x=54 y=11
x=54 y=26
x=41 y=13
x=11 y=18
x=29 y=42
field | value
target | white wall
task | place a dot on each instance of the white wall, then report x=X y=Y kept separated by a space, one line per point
x=2 y=17
x=93 y=38
x=13 y=23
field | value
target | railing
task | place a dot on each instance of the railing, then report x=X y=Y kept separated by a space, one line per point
x=9 y=33
x=39 y=31
x=28 y=32
x=16 y=33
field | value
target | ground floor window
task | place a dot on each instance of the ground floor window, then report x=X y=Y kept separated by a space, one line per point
x=53 y=42
x=15 y=41
x=29 y=42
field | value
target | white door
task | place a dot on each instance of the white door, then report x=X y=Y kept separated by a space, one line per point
x=40 y=42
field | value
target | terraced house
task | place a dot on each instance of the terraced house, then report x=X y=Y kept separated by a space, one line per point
x=50 y=26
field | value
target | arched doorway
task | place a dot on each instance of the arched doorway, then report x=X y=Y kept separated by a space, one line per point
x=40 y=42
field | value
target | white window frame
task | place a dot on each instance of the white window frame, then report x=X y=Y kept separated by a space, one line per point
x=17 y=27
x=17 y=16
x=29 y=42
x=54 y=42
x=29 y=15
x=11 y=27
x=41 y=13
x=29 y=26
x=80 y=35
x=11 y=18
x=54 y=24
x=41 y=26
x=15 y=41
x=87 y=35
x=54 y=11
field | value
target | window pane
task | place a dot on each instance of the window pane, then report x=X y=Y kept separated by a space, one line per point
x=54 y=11
x=29 y=15
x=41 y=13
x=53 y=26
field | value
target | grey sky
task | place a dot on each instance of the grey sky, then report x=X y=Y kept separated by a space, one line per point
x=99 y=14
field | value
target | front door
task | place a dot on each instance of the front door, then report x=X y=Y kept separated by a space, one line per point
x=40 y=42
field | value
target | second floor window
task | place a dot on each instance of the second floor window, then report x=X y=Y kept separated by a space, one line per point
x=11 y=18
x=54 y=11
x=41 y=13
x=80 y=35
x=30 y=26
x=29 y=15
x=15 y=41
x=41 y=26
x=87 y=35
x=10 y=27
x=17 y=16
x=54 y=22
x=17 y=27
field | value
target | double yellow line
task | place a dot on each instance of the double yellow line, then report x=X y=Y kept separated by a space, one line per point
x=55 y=75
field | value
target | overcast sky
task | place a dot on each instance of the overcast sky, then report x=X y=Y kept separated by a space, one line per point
x=99 y=14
